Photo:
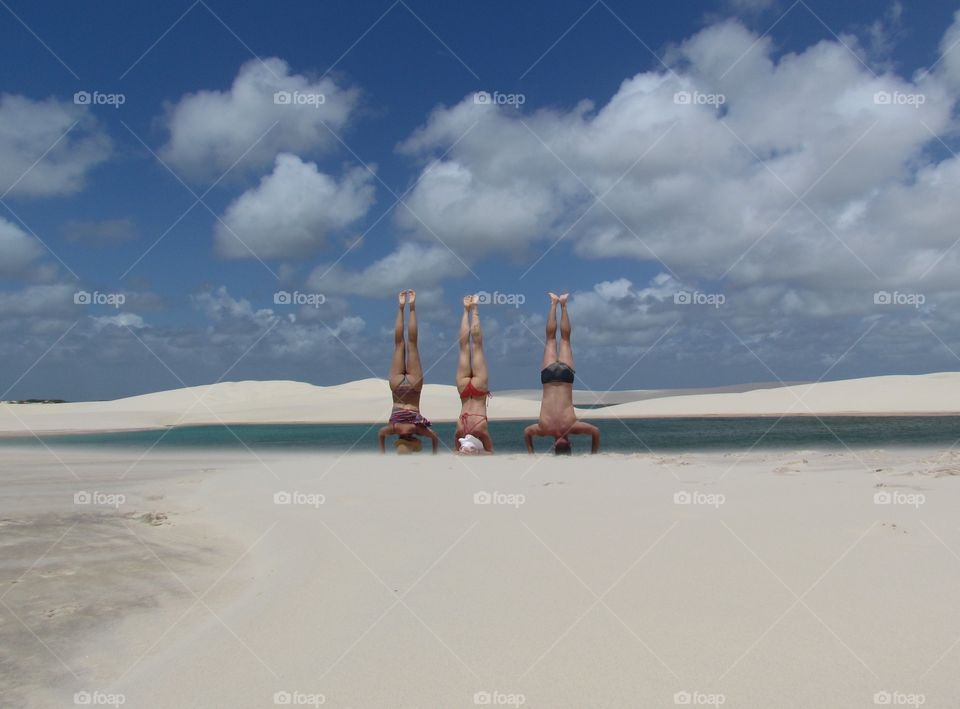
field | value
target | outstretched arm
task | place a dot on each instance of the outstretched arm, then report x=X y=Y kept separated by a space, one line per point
x=586 y=429
x=382 y=437
x=434 y=440
x=486 y=441
x=528 y=433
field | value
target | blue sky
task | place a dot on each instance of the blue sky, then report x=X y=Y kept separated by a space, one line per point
x=625 y=201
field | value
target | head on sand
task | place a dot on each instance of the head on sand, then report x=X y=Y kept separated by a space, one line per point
x=563 y=446
x=408 y=444
x=406 y=383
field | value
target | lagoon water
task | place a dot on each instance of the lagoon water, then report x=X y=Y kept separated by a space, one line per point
x=627 y=436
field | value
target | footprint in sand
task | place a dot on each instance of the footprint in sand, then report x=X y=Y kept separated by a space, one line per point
x=61 y=610
x=154 y=519
x=944 y=472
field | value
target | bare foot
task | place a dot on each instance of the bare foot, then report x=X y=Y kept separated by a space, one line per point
x=563 y=299
x=554 y=299
x=402 y=298
x=467 y=301
x=474 y=300
x=411 y=296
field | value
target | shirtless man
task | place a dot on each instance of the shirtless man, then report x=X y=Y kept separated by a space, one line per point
x=557 y=418
x=406 y=383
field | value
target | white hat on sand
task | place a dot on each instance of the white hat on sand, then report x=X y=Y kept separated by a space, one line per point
x=470 y=444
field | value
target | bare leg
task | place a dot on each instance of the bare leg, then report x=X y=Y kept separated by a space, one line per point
x=566 y=351
x=414 y=368
x=463 y=363
x=480 y=373
x=550 y=346
x=397 y=367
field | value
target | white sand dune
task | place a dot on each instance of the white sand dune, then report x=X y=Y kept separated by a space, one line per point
x=363 y=401
x=368 y=401
x=937 y=393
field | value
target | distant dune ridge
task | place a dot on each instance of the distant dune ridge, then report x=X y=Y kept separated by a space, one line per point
x=368 y=401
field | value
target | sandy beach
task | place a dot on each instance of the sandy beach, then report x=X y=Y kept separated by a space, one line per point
x=788 y=579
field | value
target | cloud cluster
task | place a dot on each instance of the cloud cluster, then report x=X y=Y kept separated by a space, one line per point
x=47 y=147
x=806 y=170
x=409 y=266
x=267 y=110
x=18 y=250
x=292 y=210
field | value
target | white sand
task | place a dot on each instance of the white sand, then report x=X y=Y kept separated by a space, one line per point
x=399 y=591
x=368 y=401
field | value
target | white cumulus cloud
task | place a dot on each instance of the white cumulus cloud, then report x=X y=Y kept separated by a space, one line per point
x=410 y=266
x=252 y=121
x=18 y=250
x=47 y=147
x=292 y=210
x=703 y=166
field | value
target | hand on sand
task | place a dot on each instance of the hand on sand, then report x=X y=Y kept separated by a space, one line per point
x=402 y=298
